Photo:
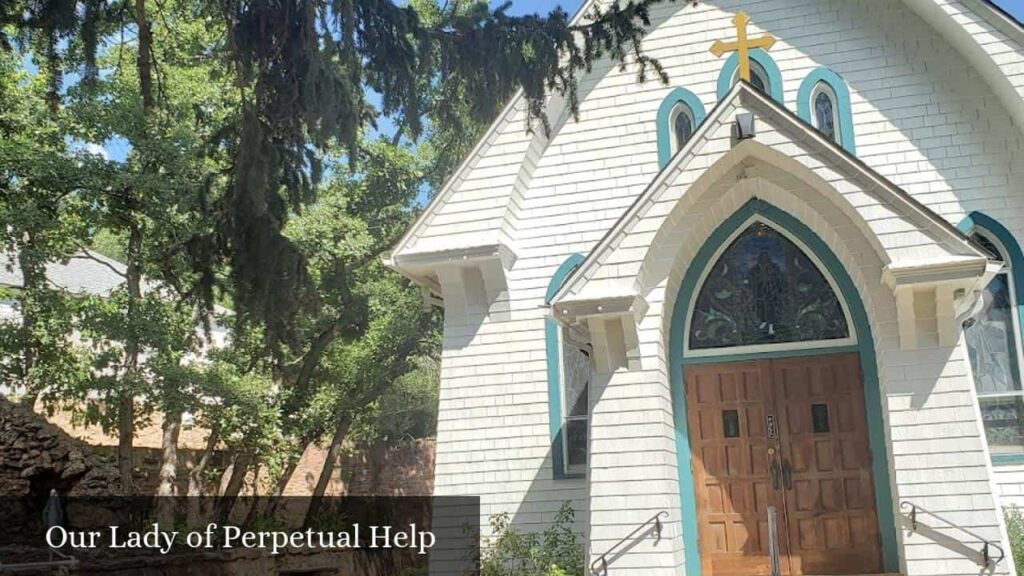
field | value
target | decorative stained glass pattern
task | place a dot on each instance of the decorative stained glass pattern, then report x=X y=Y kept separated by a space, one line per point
x=765 y=290
x=825 y=114
x=1004 y=424
x=683 y=127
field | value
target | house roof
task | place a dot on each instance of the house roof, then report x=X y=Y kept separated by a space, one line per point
x=82 y=273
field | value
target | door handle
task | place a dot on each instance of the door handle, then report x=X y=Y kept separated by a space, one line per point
x=787 y=474
x=774 y=473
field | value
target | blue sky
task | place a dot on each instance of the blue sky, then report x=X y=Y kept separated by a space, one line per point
x=117 y=149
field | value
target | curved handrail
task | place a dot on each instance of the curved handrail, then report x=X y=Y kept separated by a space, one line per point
x=602 y=561
x=986 y=545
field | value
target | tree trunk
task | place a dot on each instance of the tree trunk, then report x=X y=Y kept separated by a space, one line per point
x=144 y=62
x=126 y=396
x=239 y=468
x=33 y=275
x=195 y=480
x=168 y=487
x=333 y=452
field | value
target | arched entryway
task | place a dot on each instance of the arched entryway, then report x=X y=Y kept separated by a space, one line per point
x=776 y=405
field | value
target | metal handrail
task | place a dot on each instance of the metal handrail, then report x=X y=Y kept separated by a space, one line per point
x=986 y=546
x=602 y=561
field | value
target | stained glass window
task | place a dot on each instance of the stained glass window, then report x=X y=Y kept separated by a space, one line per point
x=764 y=290
x=576 y=378
x=825 y=114
x=758 y=77
x=993 y=350
x=682 y=126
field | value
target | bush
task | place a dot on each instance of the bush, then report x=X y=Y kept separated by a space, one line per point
x=555 y=552
x=1015 y=531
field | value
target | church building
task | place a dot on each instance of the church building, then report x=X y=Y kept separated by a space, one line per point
x=763 y=320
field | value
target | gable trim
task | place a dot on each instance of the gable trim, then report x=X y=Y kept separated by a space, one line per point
x=953 y=238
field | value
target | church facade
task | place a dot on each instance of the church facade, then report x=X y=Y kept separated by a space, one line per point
x=765 y=319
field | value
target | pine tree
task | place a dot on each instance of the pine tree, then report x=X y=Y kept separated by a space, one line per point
x=303 y=68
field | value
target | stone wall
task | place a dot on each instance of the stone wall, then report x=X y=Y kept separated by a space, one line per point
x=36 y=457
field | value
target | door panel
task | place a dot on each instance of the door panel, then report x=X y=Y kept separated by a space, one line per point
x=833 y=525
x=726 y=412
x=827 y=522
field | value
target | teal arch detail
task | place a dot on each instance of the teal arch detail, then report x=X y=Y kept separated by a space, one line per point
x=844 y=109
x=865 y=347
x=554 y=359
x=761 y=57
x=676 y=96
x=1016 y=256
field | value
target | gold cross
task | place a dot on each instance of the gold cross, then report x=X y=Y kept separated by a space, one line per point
x=742 y=45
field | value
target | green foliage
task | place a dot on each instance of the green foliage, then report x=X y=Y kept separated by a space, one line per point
x=300 y=71
x=1015 y=531
x=555 y=552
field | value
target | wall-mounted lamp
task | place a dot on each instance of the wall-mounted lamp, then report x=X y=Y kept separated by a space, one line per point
x=744 y=127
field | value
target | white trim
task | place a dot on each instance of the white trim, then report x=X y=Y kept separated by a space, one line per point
x=759 y=348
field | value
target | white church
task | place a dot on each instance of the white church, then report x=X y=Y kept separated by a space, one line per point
x=764 y=320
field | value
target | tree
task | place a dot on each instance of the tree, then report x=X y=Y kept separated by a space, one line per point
x=302 y=69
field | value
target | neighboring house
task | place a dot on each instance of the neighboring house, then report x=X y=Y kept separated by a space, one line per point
x=781 y=314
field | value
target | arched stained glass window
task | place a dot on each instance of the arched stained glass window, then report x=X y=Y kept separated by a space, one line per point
x=758 y=77
x=994 y=350
x=826 y=118
x=682 y=126
x=765 y=290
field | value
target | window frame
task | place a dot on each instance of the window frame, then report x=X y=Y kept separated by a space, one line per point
x=822 y=87
x=565 y=336
x=849 y=341
x=1007 y=269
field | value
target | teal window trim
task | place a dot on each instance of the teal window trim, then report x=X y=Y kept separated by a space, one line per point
x=844 y=111
x=553 y=348
x=1013 y=252
x=725 y=77
x=869 y=368
x=664 y=120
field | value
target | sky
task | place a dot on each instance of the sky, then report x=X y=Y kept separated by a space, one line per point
x=117 y=150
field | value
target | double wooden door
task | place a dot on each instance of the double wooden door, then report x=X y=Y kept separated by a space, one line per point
x=784 y=439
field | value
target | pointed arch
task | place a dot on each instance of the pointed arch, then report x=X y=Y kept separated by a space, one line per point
x=865 y=347
x=763 y=59
x=552 y=346
x=844 y=112
x=677 y=97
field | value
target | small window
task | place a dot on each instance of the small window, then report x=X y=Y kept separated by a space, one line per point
x=576 y=372
x=819 y=418
x=731 y=423
x=682 y=126
x=826 y=111
x=758 y=78
x=994 y=351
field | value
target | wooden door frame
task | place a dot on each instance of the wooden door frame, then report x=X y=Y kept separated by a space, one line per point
x=864 y=347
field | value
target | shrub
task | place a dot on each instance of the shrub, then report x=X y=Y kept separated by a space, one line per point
x=555 y=552
x=1015 y=531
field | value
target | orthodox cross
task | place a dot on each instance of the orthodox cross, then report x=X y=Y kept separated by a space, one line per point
x=742 y=45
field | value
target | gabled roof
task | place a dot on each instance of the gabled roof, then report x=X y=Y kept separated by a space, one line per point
x=952 y=252
x=506 y=133
x=85 y=272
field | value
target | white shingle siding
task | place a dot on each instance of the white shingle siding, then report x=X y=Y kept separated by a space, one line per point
x=924 y=117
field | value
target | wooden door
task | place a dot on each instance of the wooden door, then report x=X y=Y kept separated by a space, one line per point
x=815 y=470
x=726 y=407
x=830 y=500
